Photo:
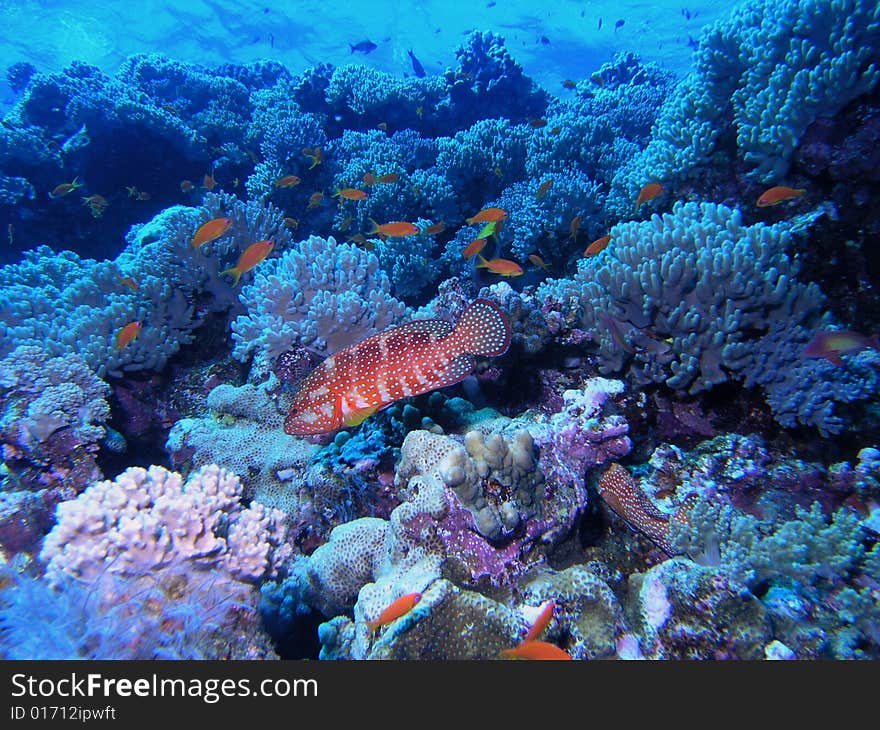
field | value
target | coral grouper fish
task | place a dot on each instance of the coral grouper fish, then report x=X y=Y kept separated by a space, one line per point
x=413 y=358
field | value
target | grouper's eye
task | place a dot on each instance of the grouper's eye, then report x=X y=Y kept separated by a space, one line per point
x=292 y=412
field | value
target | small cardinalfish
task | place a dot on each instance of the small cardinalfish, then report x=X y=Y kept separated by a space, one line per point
x=648 y=192
x=350 y=194
x=127 y=334
x=473 y=248
x=488 y=215
x=777 y=195
x=315 y=155
x=597 y=246
x=414 y=358
x=210 y=231
x=186 y=186
x=398 y=608
x=542 y=622
x=395 y=229
x=831 y=344
x=536 y=650
x=65 y=188
x=288 y=181
x=502 y=267
x=250 y=257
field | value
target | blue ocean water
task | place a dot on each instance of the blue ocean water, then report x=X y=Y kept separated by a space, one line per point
x=329 y=329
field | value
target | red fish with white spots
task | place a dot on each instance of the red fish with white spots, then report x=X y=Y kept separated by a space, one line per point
x=411 y=359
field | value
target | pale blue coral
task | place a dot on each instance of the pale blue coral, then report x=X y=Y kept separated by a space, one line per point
x=321 y=295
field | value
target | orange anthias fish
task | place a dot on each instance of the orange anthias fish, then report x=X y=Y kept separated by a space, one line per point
x=538 y=261
x=369 y=179
x=831 y=344
x=315 y=155
x=488 y=215
x=569 y=84
x=538 y=123
x=210 y=231
x=391 y=177
x=502 y=267
x=127 y=334
x=411 y=359
x=129 y=282
x=291 y=223
x=208 y=181
x=434 y=229
x=541 y=623
x=249 y=258
x=288 y=181
x=473 y=248
x=350 y=194
x=542 y=191
x=536 y=650
x=573 y=228
x=648 y=192
x=395 y=229
x=777 y=195
x=315 y=200
x=398 y=608
x=59 y=191
x=597 y=246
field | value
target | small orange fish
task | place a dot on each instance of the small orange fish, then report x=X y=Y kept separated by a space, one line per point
x=778 y=194
x=555 y=130
x=186 y=186
x=420 y=110
x=255 y=158
x=288 y=181
x=142 y=195
x=346 y=223
x=350 y=194
x=291 y=223
x=369 y=179
x=568 y=84
x=538 y=123
x=536 y=650
x=59 y=191
x=648 y=192
x=97 y=204
x=170 y=108
x=573 y=228
x=399 y=607
x=395 y=229
x=542 y=190
x=383 y=126
x=250 y=257
x=502 y=267
x=315 y=200
x=127 y=334
x=434 y=229
x=831 y=344
x=208 y=182
x=474 y=247
x=210 y=231
x=541 y=623
x=315 y=155
x=391 y=177
x=360 y=240
x=132 y=191
x=498 y=172
x=129 y=282
x=488 y=215
x=538 y=261
x=597 y=246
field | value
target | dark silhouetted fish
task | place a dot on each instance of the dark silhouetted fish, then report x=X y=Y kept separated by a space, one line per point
x=363 y=47
x=600 y=23
x=418 y=69
x=619 y=24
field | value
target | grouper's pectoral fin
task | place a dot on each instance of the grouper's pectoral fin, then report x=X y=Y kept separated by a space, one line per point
x=357 y=416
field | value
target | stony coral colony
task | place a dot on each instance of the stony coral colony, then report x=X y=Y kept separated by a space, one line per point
x=676 y=456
